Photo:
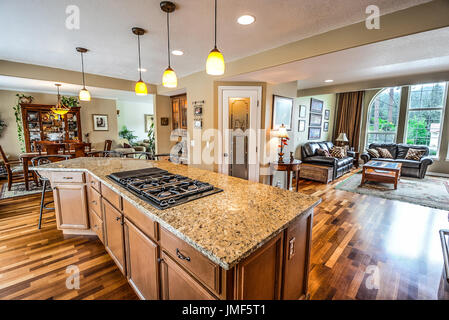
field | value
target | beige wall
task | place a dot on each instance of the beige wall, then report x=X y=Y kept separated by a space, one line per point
x=8 y=100
x=162 y=108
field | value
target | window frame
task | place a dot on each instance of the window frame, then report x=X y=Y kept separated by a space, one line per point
x=370 y=105
x=443 y=111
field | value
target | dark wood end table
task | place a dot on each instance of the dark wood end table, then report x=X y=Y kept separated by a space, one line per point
x=288 y=167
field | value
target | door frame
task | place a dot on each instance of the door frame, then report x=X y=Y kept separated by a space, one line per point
x=257 y=109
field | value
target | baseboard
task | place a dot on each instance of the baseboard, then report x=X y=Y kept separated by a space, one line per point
x=437 y=174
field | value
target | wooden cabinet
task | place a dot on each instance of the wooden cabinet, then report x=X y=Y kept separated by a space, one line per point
x=97 y=225
x=179 y=111
x=71 y=206
x=142 y=264
x=114 y=241
x=177 y=284
x=41 y=124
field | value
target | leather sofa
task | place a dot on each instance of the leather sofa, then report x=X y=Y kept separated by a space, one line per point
x=340 y=166
x=410 y=168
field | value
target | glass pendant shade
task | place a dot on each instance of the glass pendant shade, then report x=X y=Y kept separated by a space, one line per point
x=169 y=79
x=84 y=95
x=215 y=64
x=59 y=108
x=141 y=88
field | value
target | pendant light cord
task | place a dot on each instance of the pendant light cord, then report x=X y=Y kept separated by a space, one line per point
x=215 y=41
x=140 y=67
x=168 y=38
x=82 y=68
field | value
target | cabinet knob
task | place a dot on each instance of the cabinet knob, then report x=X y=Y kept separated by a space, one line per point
x=94 y=202
x=118 y=218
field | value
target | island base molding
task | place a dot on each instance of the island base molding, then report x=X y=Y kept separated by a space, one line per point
x=160 y=265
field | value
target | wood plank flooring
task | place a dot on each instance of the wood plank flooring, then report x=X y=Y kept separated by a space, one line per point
x=363 y=248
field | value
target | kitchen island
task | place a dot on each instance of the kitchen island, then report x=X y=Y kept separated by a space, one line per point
x=250 y=241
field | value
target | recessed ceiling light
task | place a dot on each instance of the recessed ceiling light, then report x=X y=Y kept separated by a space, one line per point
x=177 y=52
x=328 y=81
x=246 y=19
x=142 y=69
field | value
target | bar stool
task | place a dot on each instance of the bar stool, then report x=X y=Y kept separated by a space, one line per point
x=41 y=160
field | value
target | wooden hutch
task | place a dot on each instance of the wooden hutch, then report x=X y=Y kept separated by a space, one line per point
x=41 y=124
x=179 y=111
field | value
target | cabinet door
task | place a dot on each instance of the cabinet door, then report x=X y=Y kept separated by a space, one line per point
x=183 y=111
x=113 y=223
x=177 y=284
x=71 y=206
x=175 y=113
x=142 y=267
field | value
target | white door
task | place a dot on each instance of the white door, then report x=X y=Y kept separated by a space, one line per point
x=239 y=124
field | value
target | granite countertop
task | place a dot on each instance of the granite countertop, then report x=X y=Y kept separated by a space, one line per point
x=227 y=226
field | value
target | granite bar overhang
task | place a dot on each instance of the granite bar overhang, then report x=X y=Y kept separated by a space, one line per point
x=227 y=226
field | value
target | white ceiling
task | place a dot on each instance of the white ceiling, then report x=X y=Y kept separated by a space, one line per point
x=420 y=53
x=31 y=85
x=34 y=31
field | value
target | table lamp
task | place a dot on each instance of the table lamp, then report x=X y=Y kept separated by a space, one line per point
x=283 y=135
x=342 y=139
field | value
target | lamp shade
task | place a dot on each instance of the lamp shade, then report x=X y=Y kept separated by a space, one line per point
x=215 y=64
x=282 y=132
x=342 y=138
x=84 y=95
x=141 y=88
x=169 y=79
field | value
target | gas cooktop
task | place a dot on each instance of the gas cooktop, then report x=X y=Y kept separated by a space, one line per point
x=161 y=188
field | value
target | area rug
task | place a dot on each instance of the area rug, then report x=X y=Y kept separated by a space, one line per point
x=430 y=192
x=18 y=190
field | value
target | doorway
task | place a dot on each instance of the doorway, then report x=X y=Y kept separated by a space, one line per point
x=239 y=124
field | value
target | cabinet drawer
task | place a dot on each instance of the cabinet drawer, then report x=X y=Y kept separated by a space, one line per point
x=187 y=256
x=94 y=183
x=96 y=225
x=114 y=198
x=145 y=224
x=95 y=202
x=68 y=177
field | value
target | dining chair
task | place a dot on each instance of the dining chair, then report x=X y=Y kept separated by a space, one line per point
x=41 y=160
x=107 y=145
x=14 y=170
x=139 y=155
x=105 y=154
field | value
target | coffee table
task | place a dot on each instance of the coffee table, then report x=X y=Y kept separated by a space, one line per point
x=381 y=171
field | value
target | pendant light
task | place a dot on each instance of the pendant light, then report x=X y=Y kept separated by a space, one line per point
x=84 y=94
x=59 y=109
x=215 y=64
x=169 y=79
x=141 y=87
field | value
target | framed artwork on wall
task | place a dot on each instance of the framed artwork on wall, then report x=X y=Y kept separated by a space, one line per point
x=327 y=114
x=149 y=119
x=326 y=127
x=315 y=120
x=164 y=121
x=314 y=133
x=282 y=112
x=302 y=111
x=301 y=125
x=100 y=122
x=316 y=106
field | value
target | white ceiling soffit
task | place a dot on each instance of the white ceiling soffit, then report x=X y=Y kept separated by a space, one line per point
x=31 y=85
x=420 y=53
x=34 y=32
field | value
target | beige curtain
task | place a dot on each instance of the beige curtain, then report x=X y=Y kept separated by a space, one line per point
x=349 y=115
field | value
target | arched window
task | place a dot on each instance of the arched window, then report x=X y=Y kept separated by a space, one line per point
x=383 y=116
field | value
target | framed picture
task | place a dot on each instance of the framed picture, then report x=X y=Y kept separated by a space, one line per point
x=315 y=120
x=314 y=133
x=282 y=112
x=149 y=120
x=164 y=121
x=198 y=111
x=302 y=111
x=327 y=114
x=301 y=125
x=100 y=122
x=316 y=105
x=198 y=124
x=326 y=127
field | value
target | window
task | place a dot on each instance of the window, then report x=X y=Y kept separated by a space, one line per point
x=383 y=116
x=425 y=112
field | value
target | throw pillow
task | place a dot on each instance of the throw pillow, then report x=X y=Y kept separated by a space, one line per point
x=338 y=152
x=415 y=154
x=373 y=153
x=384 y=153
x=125 y=145
x=323 y=152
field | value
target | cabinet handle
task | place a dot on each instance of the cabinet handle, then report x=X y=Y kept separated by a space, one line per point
x=94 y=202
x=118 y=218
x=181 y=256
x=291 y=249
x=67 y=178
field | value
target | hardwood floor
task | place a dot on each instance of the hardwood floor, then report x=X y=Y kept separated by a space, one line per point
x=356 y=238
